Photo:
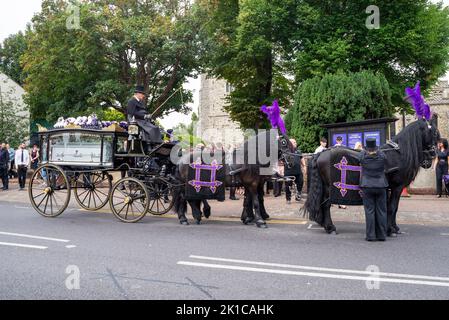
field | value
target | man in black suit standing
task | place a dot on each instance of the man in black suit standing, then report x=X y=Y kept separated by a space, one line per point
x=4 y=166
x=136 y=109
x=296 y=170
x=374 y=183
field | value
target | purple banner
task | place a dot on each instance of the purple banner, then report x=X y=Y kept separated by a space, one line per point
x=343 y=136
x=353 y=138
x=373 y=134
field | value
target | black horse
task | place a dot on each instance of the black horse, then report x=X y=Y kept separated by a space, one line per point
x=416 y=145
x=239 y=172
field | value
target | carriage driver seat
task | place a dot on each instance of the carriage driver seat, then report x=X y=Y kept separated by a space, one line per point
x=149 y=134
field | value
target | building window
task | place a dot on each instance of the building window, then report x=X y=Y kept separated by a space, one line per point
x=229 y=87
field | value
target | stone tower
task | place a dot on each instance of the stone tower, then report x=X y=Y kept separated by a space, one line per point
x=215 y=124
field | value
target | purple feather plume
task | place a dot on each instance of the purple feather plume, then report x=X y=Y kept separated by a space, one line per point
x=414 y=97
x=274 y=115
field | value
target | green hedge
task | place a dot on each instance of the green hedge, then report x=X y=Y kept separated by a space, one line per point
x=336 y=98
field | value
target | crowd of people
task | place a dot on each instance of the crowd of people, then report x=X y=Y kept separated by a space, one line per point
x=15 y=163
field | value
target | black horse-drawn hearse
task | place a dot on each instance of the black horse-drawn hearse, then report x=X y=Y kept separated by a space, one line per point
x=85 y=160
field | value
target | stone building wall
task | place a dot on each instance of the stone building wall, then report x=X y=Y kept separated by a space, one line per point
x=438 y=100
x=214 y=123
x=13 y=92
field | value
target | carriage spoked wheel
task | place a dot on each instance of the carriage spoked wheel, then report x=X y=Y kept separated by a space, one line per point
x=129 y=200
x=92 y=190
x=161 y=197
x=49 y=191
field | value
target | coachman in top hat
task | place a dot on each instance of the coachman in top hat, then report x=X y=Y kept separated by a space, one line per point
x=136 y=109
x=373 y=183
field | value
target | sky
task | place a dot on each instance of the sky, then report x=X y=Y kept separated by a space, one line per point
x=15 y=14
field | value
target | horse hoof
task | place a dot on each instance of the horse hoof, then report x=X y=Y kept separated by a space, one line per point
x=184 y=223
x=198 y=222
x=262 y=225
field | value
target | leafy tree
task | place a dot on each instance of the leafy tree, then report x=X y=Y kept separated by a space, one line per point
x=111 y=114
x=260 y=46
x=411 y=43
x=245 y=41
x=118 y=44
x=186 y=134
x=190 y=128
x=14 y=127
x=337 y=98
x=11 y=50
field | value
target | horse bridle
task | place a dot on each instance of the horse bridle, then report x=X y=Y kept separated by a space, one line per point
x=430 y=151
x=285 y=152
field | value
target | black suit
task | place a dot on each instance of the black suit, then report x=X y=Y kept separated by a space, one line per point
x=137 y=109
x=296 y=171
x=373 y=183
x=4 y=163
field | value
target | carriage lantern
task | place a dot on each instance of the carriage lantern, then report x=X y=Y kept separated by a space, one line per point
x=133 y=131
x=133 y=128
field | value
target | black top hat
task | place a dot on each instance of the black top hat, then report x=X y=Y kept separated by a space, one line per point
x=371 y=144
x=139 y=89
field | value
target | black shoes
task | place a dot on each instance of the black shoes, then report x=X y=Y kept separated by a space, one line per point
x=373 y=240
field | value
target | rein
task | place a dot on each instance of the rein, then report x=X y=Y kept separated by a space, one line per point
x=394 y=146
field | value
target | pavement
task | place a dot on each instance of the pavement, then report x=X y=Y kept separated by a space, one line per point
x=418 y=209
x=86 y=255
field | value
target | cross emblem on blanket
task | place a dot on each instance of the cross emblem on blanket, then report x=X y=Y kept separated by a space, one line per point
x=344 y=168
x=213 y=183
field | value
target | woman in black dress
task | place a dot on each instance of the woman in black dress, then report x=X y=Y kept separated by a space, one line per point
x=441 y=164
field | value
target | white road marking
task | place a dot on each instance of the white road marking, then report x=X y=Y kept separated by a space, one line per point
x=311 y=227
x=70 y=246
x=313 y=274
x=32 y=237
x=280 y=265
x=10 y=244
x=444 y=234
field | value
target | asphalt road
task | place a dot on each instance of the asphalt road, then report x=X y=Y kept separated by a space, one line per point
x=160 y=259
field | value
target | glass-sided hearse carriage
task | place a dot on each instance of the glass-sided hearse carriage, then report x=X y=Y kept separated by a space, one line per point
x=87 y=161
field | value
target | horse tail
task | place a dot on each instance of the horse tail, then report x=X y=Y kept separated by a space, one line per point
x=313 y=206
